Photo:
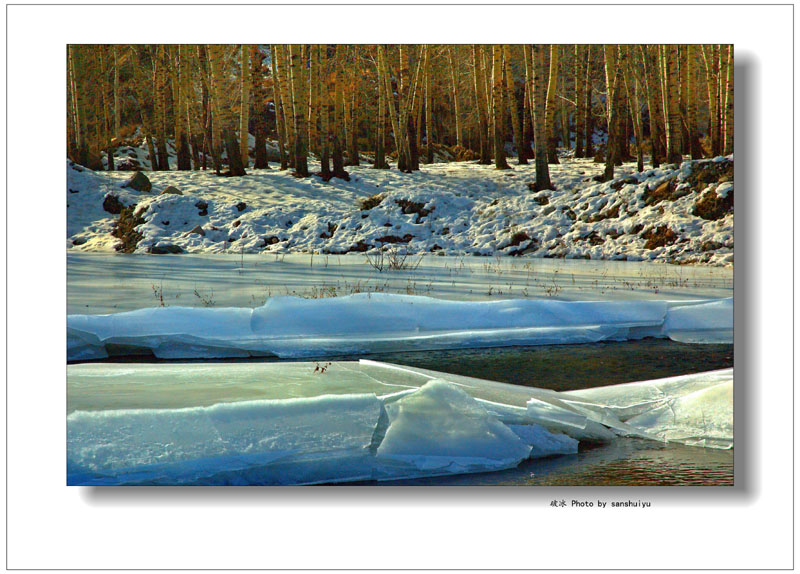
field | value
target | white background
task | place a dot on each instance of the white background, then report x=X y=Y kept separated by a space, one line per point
x=52 y=526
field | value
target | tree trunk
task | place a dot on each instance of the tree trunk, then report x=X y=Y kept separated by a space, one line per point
x=106 y=103
x=380 y=148
x=672 y=96
x=513 y=106
x=587 y=110
x=244 y=111
x=300 y=132
x=117 y=104
x=454 y=95
x=180 y=109
x=550 y=110
x=728 y=144
x=632 y=91
x=280 y=106
x=711 y=59
x=691 y=102
x=428 y=111
x=480 y=97
x=260 y=160
x=497 y=107
x=537 y=79
x=286 y=101
x=580 y=127
x=398 y=128
x=337 y=90
x=612 y=81
x=652 y=106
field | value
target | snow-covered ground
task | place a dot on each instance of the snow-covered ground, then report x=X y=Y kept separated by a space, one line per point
x=305 y=423
x=445 y=208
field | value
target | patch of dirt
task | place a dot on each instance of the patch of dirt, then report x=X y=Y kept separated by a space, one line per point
x=125 y=229
x=395 y=239
x=332 y=227
x=660 y=236
x=707 y=172
x=371 y=201
x=594 y=238
x=542 y=199
x=712 y=207
x=667 y=191
x=612 y=213
x=410 y=207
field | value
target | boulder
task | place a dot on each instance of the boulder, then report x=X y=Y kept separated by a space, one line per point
x=197 y=229
x=112 y=204
x=170 y=190
x=139 y=182
x=164 y=249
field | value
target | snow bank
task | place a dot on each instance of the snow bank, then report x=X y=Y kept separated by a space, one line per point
x=371 y=322
x=457 y=209
x=436 y=425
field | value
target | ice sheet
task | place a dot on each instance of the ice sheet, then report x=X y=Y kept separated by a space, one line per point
x=354 y=421
x=691 y=409
x=322 y=439
x=374 y=322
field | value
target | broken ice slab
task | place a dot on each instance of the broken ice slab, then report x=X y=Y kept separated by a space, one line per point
x=347 y=421
x=379 y=322
x=290 y=441
x=690 y=409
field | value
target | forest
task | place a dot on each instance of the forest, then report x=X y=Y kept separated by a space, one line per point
x=410 y=104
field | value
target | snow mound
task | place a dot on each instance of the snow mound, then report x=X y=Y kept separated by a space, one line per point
x=372 y=322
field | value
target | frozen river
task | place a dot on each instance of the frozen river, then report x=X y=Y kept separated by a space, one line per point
x=104 y=283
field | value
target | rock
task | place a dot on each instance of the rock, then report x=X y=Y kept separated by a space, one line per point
x=667 y=191
x=79 y=241
x=542 y=199
x=139 y=182
x=241 y=206
x=197 y=229
x=237 y=223
x=112 y=204
x=164 y=249
x=272 y=240
x=711 y=246
x=170 y=190
x=623 y=181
